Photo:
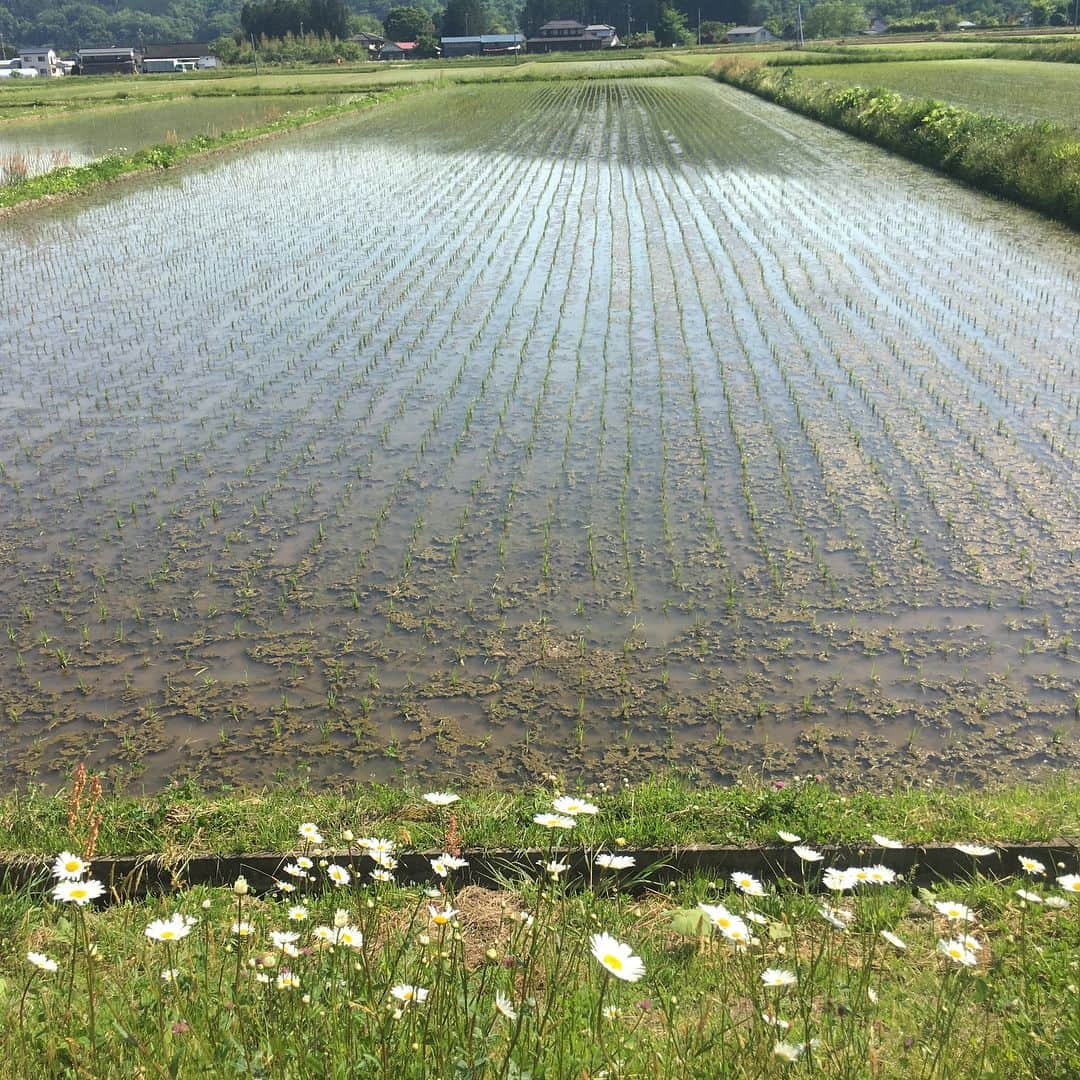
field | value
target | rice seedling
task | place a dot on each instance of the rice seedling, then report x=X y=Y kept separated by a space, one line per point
x=641 y=365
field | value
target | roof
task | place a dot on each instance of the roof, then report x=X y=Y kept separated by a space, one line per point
x=176 y=50
x=562 y=24
x=746 y=30
x=484 y=39
x=112 y=50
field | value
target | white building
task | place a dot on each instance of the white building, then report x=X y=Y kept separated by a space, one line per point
x=603 y=32
x=42 y=60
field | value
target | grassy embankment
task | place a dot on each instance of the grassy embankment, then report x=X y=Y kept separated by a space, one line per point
x=1036 y=165
x=665 y=812
x=366 y=978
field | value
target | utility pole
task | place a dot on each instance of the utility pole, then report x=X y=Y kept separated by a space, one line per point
x=629 y=19
x=798 y=18
x=699 y=26
x=255 y=53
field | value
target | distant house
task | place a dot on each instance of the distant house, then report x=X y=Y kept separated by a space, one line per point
x=604 y=33
x=877 y=26
x=111 y=61
x=371 y=42
x=397 y=50
x=42 y=60
x=482 y=45
x=965 y=24
x=748 y=35
x=189 y=55
x=565 y=35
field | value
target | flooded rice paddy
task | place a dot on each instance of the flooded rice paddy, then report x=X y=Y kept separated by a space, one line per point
x=76 y=138
x=583 y=427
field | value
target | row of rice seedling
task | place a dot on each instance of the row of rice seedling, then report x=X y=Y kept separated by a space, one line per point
x=638 y=420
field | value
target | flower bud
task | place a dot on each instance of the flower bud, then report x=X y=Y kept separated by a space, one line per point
x=341 y=918
x=240 y=886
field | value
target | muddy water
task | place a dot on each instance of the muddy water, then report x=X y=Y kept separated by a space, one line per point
x=75 y=139
x=591 y=428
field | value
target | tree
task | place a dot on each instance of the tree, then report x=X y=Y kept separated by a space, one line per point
x=407 y=24
x=671 y=27
x=834 y=18
x=463 y=18
x=427 y=47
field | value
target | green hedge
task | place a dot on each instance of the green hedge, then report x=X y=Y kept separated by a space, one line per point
x=1037 y=165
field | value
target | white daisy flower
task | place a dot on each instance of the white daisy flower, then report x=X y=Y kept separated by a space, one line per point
x=441 y=798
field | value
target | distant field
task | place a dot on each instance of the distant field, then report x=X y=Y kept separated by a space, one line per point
x=1018 y=89
x=19 y=98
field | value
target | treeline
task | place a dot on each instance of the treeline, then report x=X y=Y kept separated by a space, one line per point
x=68 y=24
x=277 y=18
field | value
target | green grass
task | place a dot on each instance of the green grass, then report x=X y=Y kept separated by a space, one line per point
x=1019 y=90
x=663 y=812
x=512 y=983
x=1034 y=164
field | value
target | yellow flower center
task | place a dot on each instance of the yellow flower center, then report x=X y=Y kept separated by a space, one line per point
x=612 y=961
x=71 y=866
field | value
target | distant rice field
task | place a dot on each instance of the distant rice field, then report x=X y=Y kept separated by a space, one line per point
x=1018 y=89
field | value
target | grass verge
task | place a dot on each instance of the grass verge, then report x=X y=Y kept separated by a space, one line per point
x=1036 y=165
x=342 y=972
x=664 y=812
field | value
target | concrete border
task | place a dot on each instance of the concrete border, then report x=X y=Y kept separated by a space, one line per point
x=131 y=877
